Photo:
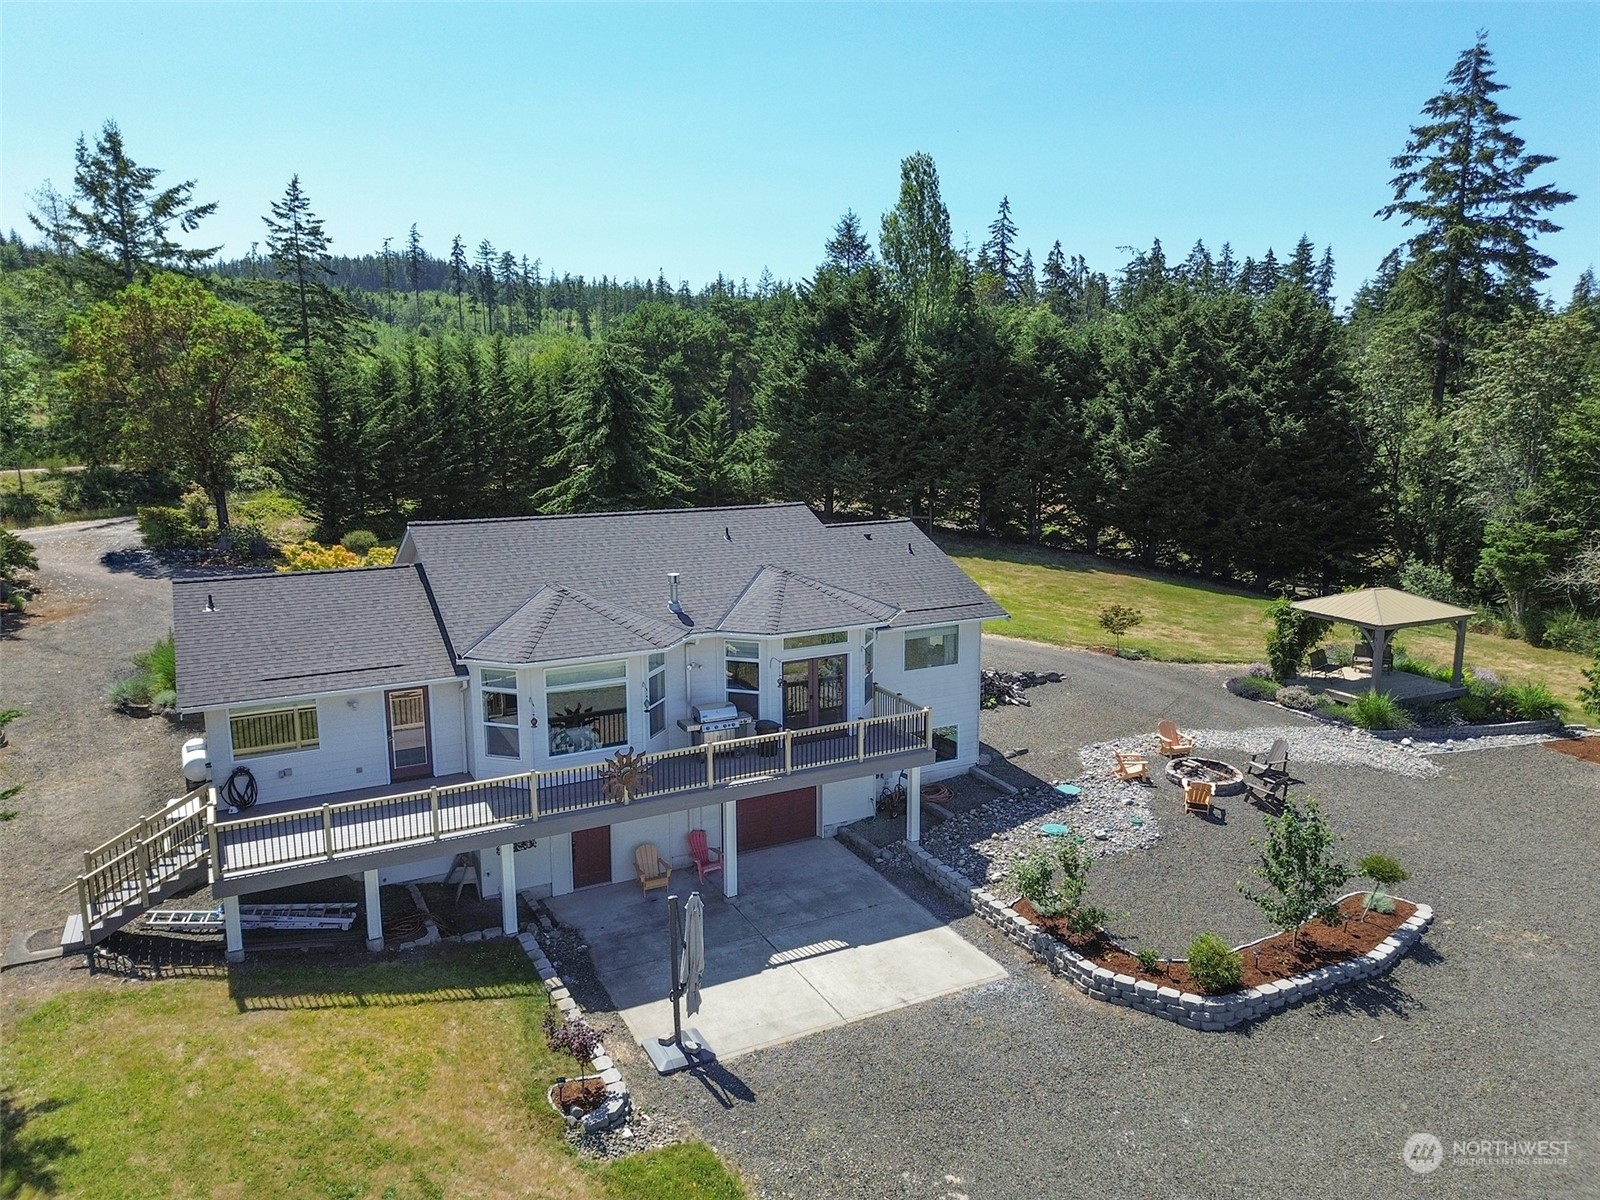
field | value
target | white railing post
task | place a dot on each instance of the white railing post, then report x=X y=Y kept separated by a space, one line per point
x=141 y=863
x=927 y=728
x=211 y=841
x=327 y=830
x=861 y=740
x=711 y=764
x=433 y=811
x=788 y=752
x=533 y=795
x=83 y=905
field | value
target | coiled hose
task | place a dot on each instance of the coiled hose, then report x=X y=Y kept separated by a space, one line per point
x=240 y=789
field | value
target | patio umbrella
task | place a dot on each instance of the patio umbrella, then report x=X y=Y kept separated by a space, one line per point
x=694 y=950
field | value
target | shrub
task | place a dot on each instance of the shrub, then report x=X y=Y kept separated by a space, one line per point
x=1149 y=959
x=1378 y=710
x=314 y=556
x=1293 y=634
x=21 y=507
x=1589 y=696
x=1117 y=619
x=1484 y=676
x=1303 y=878
x=1254 y=689
x=165 y=529
x=154 y=680
x=1213 y=966
x=112 y=487
x=359 y=541
x=1529 y=701
x=197 y=508
x=1384 y=872
x=380 y=556
x=1086 y=920
x=1035 y=878
x=1298 y=698
x=576 y=1038
x=1423 y=579
x=1567 y=630
x=1258 y=671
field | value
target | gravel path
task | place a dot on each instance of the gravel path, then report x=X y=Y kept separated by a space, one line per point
x=86 y=772
x=1025 y=1088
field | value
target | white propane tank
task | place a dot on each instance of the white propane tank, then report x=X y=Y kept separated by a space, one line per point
x=196 y=761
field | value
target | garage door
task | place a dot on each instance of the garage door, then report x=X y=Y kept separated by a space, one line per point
x=778 y=818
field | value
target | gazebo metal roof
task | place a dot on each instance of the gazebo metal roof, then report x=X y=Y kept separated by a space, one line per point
x=1382 y=608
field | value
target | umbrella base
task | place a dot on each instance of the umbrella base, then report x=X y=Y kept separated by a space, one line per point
x=669 y=1057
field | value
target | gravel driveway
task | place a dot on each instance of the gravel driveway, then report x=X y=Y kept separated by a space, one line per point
x=1025 y=1088
x=87 y=773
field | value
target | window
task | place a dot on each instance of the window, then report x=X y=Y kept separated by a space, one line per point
x=274 y=730
x=655 y=693
x=815 y=639
x=866 y=654
x=744 y=677
x=946 y=743
x=588 y=706
x=931 y=648
x=502 y=730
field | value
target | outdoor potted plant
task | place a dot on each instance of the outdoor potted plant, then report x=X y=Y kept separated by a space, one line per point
x=572 y=1098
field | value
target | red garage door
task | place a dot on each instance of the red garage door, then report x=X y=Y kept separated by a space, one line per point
x=776 y=819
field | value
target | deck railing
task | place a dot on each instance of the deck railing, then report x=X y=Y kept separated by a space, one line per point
x=336 y=830
x=126 y=871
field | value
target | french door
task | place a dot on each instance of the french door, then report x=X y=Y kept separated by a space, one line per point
x=410 y=751
x=814 y=692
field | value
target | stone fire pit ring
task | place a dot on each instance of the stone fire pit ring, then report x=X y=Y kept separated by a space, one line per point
x=1225 y=780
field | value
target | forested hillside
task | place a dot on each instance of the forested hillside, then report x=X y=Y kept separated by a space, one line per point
x=1205 y=411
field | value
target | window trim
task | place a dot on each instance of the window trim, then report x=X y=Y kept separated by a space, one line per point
x=753 y=657
x=919 y=635
x=296 y=711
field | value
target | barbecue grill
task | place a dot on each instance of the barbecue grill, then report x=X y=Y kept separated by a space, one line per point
x=715 y=723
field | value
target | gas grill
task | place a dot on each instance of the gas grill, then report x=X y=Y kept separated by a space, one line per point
x=715 y=723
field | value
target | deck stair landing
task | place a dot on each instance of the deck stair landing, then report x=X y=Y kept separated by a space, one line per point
x=156 y=858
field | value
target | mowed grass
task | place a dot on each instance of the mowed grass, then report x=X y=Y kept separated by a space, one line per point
x=399 y=1079
x=1056 y=597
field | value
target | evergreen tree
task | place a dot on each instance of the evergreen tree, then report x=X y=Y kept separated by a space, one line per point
x=1322 y=281
x=298 y=247
x=1001 y=249
x=1302 y=268
x=415 y=258
x=1464 y=182
x=323 y=464
x=915 y=242
x=485 y=277
x=458 y=278
x=116 y=221
x=506 y=279
x=387 y=259
x=1027 y=281
x=1055 y=281
x=848 y=249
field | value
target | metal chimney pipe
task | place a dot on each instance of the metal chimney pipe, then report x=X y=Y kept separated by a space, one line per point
x=672 y=589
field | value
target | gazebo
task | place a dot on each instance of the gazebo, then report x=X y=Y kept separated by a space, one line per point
x=1378 y=612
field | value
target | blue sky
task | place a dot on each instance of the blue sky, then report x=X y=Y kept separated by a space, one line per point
x=622 y=139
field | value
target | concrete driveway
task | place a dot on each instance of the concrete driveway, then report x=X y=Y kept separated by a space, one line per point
x=816 y=939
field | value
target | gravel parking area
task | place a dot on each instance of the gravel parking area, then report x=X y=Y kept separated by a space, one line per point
x=1024 y=1088
x=86 y=772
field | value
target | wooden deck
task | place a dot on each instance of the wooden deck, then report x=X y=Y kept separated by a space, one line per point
x=331 y=828
x=1345 y=684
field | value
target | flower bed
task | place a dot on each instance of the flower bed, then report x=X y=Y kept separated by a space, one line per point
x=1164 y=1000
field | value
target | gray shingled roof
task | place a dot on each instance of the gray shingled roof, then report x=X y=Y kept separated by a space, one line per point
x=559 y=622
x=272 y=637
x=776 y=565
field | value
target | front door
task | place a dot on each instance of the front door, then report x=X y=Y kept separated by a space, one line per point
x=814 y=692
x=410 y=752
x=591 y=856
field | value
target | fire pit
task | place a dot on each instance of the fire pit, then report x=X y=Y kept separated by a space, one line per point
x=1225 y=780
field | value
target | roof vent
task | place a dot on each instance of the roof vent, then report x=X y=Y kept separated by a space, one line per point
x=727 y=532
x=672 y=592
x=910 y=549
x=211 y=605
x=868 y=536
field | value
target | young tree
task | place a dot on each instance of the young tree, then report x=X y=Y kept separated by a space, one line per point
x=117 y=221
x=1299 y=868
x=186 y=383
x=298 y=246
x=1118 y=619
x=1464 y=182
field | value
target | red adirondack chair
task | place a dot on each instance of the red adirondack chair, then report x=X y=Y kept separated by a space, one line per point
x=706 y=858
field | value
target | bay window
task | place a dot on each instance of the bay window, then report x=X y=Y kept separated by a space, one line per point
x=588 y=706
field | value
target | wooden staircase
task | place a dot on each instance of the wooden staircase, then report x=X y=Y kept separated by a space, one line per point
x=158 y=857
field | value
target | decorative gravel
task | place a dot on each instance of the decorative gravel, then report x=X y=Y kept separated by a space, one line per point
x=1333 y=745
x=1499 y=741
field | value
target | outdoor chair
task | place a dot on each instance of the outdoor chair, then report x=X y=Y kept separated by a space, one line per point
x=1129 y=767
x=1268 y=791
x=653 y=871
x=1197 y=794
x=1173 y=743
x=1272 y=761
x=1319 y=662
x=707 y=859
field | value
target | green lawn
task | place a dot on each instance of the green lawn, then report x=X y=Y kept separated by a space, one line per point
x=1056 y=597
x=397 y=1079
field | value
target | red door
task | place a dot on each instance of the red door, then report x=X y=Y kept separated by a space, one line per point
x=776 y=819
x=591 y=856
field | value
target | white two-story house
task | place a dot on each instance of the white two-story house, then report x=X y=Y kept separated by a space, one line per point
x=763 y=674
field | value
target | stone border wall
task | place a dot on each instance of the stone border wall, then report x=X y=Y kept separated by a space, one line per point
x=1209 y=1013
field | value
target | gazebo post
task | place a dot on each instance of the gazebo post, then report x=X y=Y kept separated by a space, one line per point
x=1461 y=650
x=1380 y=638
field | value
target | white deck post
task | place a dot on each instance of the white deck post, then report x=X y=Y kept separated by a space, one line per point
x=232 y=929
x=508 y=889
x=374 y=911
x=730 y=848
x=1461 y=650
x=914 y=805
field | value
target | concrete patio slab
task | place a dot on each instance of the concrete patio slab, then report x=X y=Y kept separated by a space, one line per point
x=817 y=939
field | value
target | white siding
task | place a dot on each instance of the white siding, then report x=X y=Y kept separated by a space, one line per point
x=446 y=719
x=951 y=691
x=848 y=801
x=352 y=750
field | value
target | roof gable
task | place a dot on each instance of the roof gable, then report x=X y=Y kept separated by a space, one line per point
x=779 y=601
x=559 y=622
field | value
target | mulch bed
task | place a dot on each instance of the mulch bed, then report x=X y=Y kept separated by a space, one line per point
x=1587 y=748
x=585 y=1093
x=1266 y=962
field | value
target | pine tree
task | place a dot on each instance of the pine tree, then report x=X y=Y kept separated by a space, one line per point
x=1463 y=181
x=1027 y=281
x=507 y=280
x=298 y=247
x=1227 y=268
x=415 y=257
x=485 y=278
x=1322 y=281
x=1055 y=281
x=848 y=249
x=116 y=222
x=387 y=259
x=1302 y=268
x=458 y=278
x=1001 y=248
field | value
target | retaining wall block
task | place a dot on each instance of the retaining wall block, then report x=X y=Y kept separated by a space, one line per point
x=1191 y=1001
x=1144 y=989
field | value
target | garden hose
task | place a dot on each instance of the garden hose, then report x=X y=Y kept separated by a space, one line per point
x=240 y=789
